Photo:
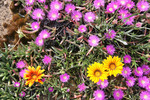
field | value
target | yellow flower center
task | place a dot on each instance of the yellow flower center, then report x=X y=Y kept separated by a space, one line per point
x=129 y=81
x=115 y=6
x=70 y=9
x=57 y=6
x=98 y=3
x=110 y=9
x=143 y=81
x=90 y=17
x=35 y=26
x=76 y=16
x=99 y=95
x=145 y=96
x=40 y=41
x=39 y=15
x=102 y=83
x=45 y=35
x=125 y=72
x=34 y=76
x=93 y=41
x=122 y=2
x=117 y=94
x=143 y=6
x=128 y=5
x=53 y=15
x=64 y=77
x=97 y=73
x=112 y=66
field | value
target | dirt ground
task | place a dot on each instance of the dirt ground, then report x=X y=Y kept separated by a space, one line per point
x=5 y=14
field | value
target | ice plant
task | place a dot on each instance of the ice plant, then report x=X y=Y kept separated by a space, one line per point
x=22 y=72
x=148 y=87
x=69 y=8
x=46 y=60
x=82 y=28
x=41 y=1
x=127 y=59
x=122 y=2
x=110 y=34
x=110 y=49
x=146 y=69
x=130 y=4
x=64 y=77
x=130 y=81
x=98 y=3
x=115 y=5
x=126 y=72
x=35 y=26
x=144 y=95
x=38 y=14
x=96 y=72
x=50 y=89
x=138 y=24
x=123 y=13
x=129 y=20
x=103 y=84
x=30 y=2
x=143 y=5
x=82 y=87
x=22 y=94
x=138 y=71
x=39 y=41
x=99 y=95
x=118 y=94
x=56 y=5
x=143 y=81
x=93 y=40
x=110 y=8
x=16 y=84
x=20 y=64
x=89 y=17
x=76 y=15
x=33 y=75
x=53 y=15
x=113 y=65
x=44 y=34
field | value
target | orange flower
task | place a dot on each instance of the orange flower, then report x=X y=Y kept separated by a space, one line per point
x=33 y=75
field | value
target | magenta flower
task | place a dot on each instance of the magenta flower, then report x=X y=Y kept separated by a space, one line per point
x=138 y=71
x=110 y=34
x=122 y=2
x=98 y=3
x=68 y=90
x=99 y=95
x=118 y=94
x=35 y=26
x=56 y=5
x=38 y=14
x=41 y=1
x=22 y=72
x=110 y=49
x=130 y=81
x=89 y=17
x=143 y=5
x=103 y=84
x=44 y=34
x=50 y=89
x=22 y=94
x=115 y=5
x=138 y=24
x=64 y=77
x=126 y=72
x=144 y=95
x=143 y=81
x=46 y=60
x=53 y=15
x=110 y=8
x=130 y=20
x=70 y=8
x=82 y=87
x=93 y=40
x=76 y=15
x=68 y=0
x=123 y=13
x=43 y=80
x=82 y=28
x=30 y=2
x=16 y=84
x=28 y=9
x=130 y=5
x=148 y=87
x=20 y=64
x=127 y=59
x=39 y=41
x=146 y=69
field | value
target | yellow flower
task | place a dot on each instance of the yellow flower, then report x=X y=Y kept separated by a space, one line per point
x=113 y=65
x=97 y=72
x=33 y=75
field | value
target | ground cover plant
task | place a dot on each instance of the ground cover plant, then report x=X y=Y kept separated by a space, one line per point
x=77 y=50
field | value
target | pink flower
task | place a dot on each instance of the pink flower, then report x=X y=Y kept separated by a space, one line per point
x=143 y=81
x=110 y=34
x=81 y=87
x=82 y=28
x=110 y=49
x=99 y=95
x=41 y=1
x=127 y=59
x=148 y=87
x=126 y=72
x=138 y=24
x=130 y=81
x=130 y=20
x=123 y=13
x=76 y=15
x=30 y=2
x=110 y=8
x=53 y=15
x=98 y=3
x=50 y=89
x=44 y=34
x=35 y=26
x=115 y=5
x=146 y=69
x=56 y=5
x=143 y=5
x=130 y=5
x=39 y=41
x=138 y=71
x=22 y=94
x=93 y=40
x=68 y=0
x=22 y=72
x=118 y=94
x=28 y=9
x=89 y=17
x=64 y=77
x=20 y=64
x=38 y=14
x=144 y=95
x=16 y=84
x=122 y=2
x=46 y=60
x=69 y=8
x=103 y=84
